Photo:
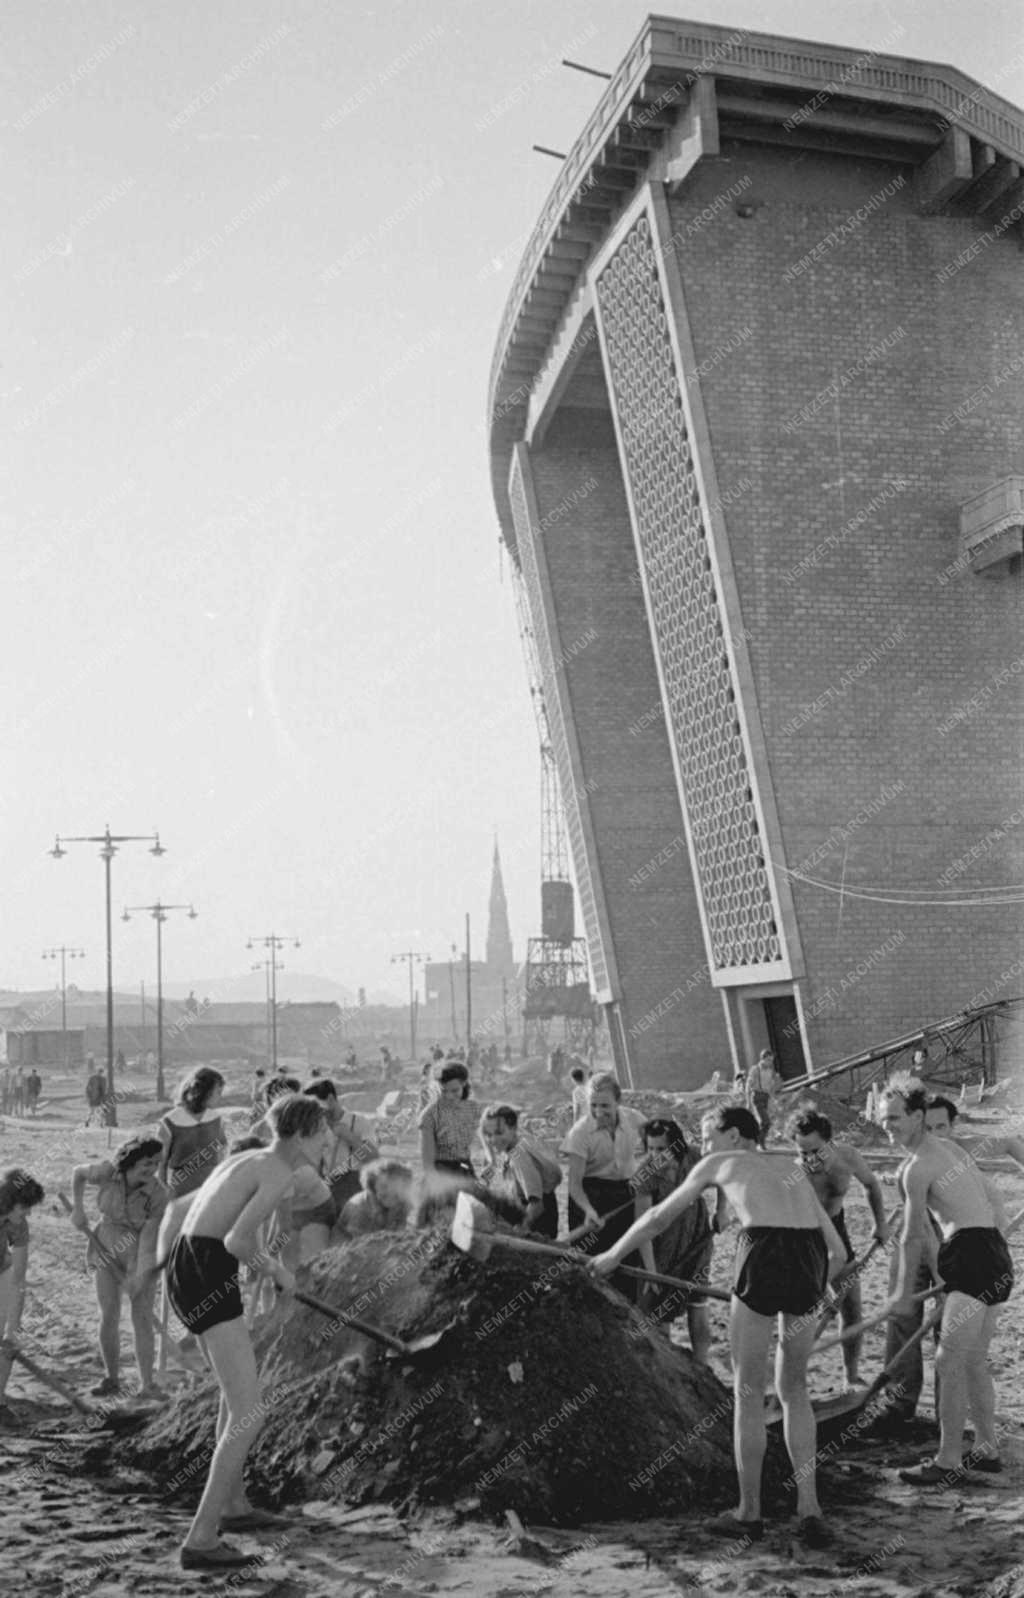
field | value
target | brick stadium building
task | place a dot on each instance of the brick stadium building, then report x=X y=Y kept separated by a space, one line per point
x=757 y=433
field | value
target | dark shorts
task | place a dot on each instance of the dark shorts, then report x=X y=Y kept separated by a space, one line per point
x=202 y=1283
x=976 y=1261
x=839 y=1222
x=322 y=1214
x=780 y=1270
x=693 y=1266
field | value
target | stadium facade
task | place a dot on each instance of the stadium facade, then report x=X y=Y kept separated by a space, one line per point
x=757 y=440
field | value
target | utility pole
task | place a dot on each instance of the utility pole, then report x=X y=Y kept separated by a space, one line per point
x=159 y=913
x=66 y=953
x=110 y=843
x=411 y=955
x=469 y=992
x=273 y=941
x=451 y=985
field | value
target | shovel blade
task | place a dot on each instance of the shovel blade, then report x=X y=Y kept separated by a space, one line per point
x=471 y=1228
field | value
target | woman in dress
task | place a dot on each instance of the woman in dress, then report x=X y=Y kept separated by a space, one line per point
x=448 y=1127
x=192 y=1133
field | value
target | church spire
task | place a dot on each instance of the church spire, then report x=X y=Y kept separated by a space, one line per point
x=499 y=939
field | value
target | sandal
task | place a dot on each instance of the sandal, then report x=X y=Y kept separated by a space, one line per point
x=813 y=1532
x=991 y=1464
x=109 y=1387
x=256 y=1520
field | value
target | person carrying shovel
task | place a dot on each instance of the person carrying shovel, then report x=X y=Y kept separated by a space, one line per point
x=220 y=1232
x=974 y=1265
x=19 y=1193
x=131 y=1202
x=787 y=1249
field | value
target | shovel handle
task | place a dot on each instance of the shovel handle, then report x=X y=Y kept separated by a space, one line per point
x=376 y=1332
x=871 y=1320
x=46 y=1379
x=525 y=1245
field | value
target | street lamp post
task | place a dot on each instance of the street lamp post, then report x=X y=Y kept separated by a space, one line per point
x=412 y=955
x=110 y=842
x=273 y=941
x=159 y=913
x=65 y=952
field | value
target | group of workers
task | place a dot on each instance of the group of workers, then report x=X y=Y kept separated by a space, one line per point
x=309 y=1173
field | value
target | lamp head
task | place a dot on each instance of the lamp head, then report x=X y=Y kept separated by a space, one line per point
x=57 y=852
x=125 y=916
x=158 y=848
x=192 y=912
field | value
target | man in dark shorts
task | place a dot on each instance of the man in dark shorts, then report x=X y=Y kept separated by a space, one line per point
x=787 y=1249
x=975 y=1266
x=220 y=1231
x=830 y=1168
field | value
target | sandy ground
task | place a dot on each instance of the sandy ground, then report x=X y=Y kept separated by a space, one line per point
x=67 y=1529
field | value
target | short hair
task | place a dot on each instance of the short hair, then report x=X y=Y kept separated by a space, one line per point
x=197 y=1089
x=17 y=1187
x=813 y=1121
x=296 y=1115
x=729 y=1116
x=323 y=1089
x=577 y=1073
x=939 y=1103
x=373 y=1170
x=136 y=1149
x=455 y=1072
x=605 y=1082
x=279 y=1085
x=244 y=1145
x=659 y=1126
x=912 y=1091
x=501 y=1112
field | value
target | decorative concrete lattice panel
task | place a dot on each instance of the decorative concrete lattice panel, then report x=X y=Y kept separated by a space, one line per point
x=556 y=723
x=686 y=607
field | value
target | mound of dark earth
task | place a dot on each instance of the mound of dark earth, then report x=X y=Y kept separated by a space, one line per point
x=547 y=1394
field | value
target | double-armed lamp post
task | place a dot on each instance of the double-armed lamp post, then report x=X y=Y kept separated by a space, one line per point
x=412 y=955
x=272 y=942
x=159 y=913
x=110 y=843
x=63 y=953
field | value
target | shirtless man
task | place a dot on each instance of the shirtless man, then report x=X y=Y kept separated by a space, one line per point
x=975 y=1266
x=830 y=1169
x=940 y=1118
x=220 y=1231
x=787 y=1250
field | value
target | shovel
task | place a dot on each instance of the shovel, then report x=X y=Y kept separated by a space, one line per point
x=419 y=1347
x=118 y=1420
x=853 y=1274
x=473 y=1232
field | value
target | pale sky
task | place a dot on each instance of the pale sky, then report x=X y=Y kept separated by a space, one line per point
x=256 y=257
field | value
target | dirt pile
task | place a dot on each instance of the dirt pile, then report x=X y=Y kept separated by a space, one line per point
x=547 y=1394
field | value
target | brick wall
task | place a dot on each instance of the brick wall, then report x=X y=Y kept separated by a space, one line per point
x=673 y=1020
x=889 y=680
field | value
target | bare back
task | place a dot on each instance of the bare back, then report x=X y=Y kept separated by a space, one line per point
x=231 y=1189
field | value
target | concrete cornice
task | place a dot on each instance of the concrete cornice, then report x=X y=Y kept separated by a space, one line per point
x=788 y=91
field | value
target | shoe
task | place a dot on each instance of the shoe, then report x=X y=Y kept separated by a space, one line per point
x=221 y=1556
x=730 y=1526
x=109 y=1387
x=991 y=1464
x=154 y=1394
x=256 y=1520
x=931 y=1474
x=813 y=1532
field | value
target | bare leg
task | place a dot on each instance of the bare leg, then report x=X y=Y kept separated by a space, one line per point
x=238 y=1424
x=850 y=1313
x=108 y=1297
x=981 y=1393
x=142 y=1328
x=963 y=1324
x=749 y=1338
x=699 y=1323
x=798 y=1423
